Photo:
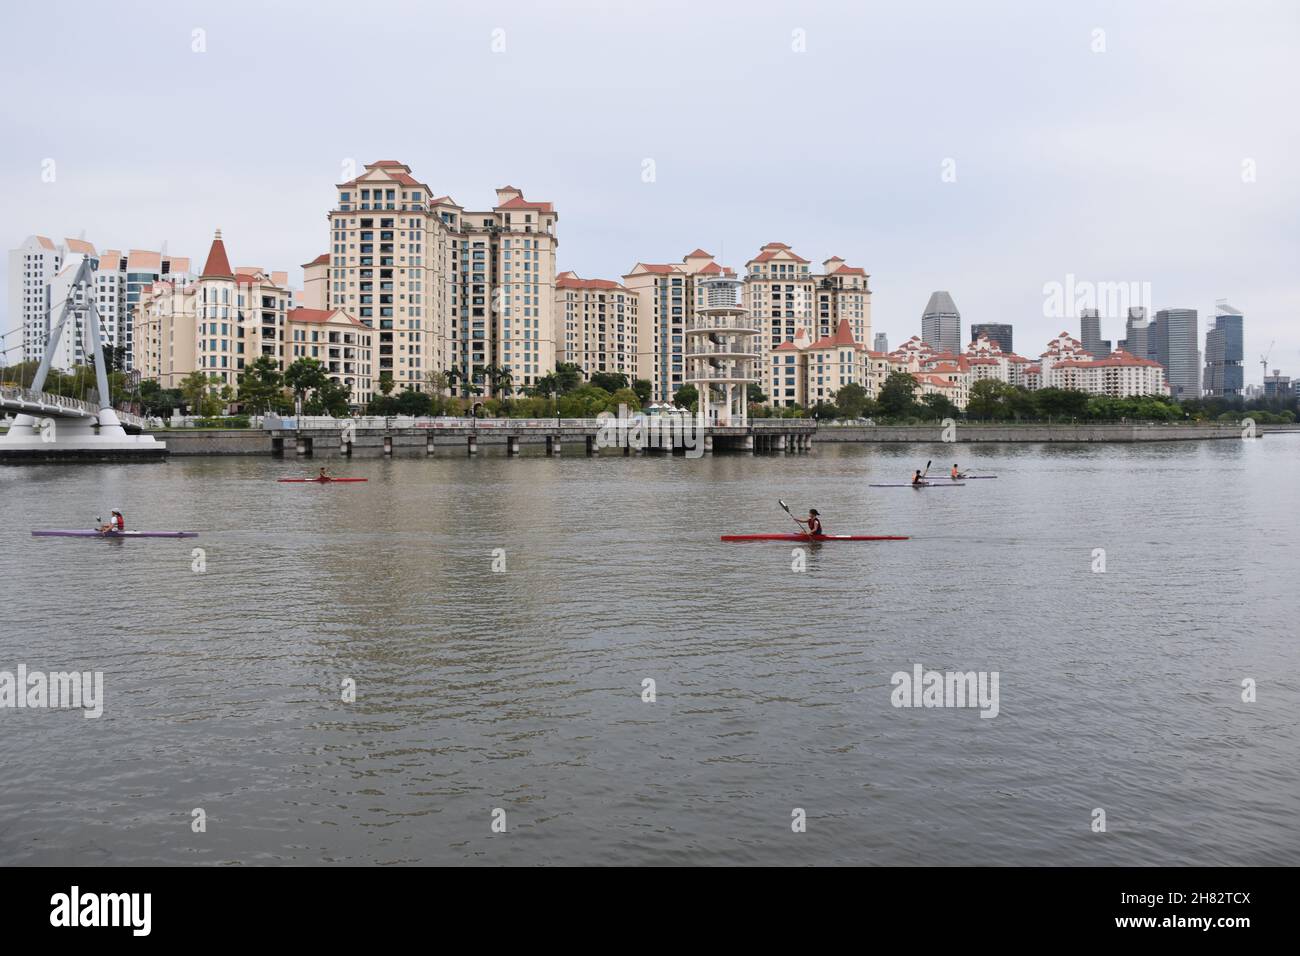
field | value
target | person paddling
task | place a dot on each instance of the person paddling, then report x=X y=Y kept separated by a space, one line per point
x=322 y=476
x=955 y=472
x=918 y=479
x=116 y=523
x=813 y=522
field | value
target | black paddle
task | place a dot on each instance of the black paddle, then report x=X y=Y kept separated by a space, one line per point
x=924 y=473
x=805 y=533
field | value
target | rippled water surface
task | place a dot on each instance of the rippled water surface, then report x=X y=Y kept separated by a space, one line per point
x=523 y=690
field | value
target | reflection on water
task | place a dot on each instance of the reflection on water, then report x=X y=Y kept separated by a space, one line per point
x=522 y=690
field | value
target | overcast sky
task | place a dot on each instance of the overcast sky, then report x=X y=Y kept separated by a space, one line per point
x=1162 y=150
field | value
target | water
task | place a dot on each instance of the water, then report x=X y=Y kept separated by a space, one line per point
x=522 y=690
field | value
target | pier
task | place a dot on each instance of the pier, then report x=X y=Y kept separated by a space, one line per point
x=407 y=437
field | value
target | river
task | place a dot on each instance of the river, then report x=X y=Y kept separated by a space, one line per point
x=515 y=696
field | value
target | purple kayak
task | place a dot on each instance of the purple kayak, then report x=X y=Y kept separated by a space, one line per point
x=91 y=533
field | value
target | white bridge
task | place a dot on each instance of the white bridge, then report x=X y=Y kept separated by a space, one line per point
x=50 y=427
x=25 y=401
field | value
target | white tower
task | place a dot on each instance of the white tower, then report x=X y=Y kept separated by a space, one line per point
x=721 y=353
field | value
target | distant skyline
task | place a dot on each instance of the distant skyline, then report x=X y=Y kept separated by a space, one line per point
x=986 y=150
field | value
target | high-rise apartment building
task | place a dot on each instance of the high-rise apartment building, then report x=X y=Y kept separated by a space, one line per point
x=1224 y=353
x=941 y=323
x=448 y=290
x=32 y=266
x=667 y=295
x=995 y=332
x=1174 y=342
x=120 y=280
x=597 y=323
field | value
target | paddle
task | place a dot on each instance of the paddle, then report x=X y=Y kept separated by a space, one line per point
x=926 y=472
x=801 y=528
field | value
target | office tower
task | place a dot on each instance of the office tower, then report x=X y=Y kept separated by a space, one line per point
x=941 y=323
x=881 y=343
x=994 y=332
x=1137 y=333
x=1090 y=334
x=1224 y=376
x=1175 y=340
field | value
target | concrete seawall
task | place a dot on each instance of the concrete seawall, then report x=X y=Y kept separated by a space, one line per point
x=412 y=441
x=1029 y=433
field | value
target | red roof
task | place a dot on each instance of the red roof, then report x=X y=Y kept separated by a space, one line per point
x=319 y=315
x=218 y=264
x=843 y=337
x=519 y=202
x=321 y=260
x=570 y=280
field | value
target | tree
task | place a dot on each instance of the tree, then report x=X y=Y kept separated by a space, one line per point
x=852 y=400
x=585 y=402
x=897 y=394
x=939 y=406
x=1061 y=402
x=438 y=382
x=609 y=381
x=754 y=394
x=568 y=377
x=411 y=402
x=686 y=396
x=261 y=385
x=626 y=397
x=330 y=398
x=305 y=375
x=199 y=391
x=386 y=383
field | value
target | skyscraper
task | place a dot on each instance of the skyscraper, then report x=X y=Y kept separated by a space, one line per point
x=1137 y=337
x=1224 y=376
x=941 y=323
x=1175 y=338
x=881 y=343
x=994 y=332
x=1090 y=334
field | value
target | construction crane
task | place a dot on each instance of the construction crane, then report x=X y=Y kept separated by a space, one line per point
x=1263 y=359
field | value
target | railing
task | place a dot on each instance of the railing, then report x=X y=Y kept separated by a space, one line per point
x=27 y=396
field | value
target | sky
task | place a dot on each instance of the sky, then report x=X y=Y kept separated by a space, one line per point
x=989 y=149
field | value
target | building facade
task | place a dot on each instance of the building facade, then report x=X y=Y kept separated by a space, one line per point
x=1224 y=354
x=1090 y=334
x=667 y=295
x=597 y=321
x=32 y=266
x=941 y=323
x=998 y=332
x=1173 y=343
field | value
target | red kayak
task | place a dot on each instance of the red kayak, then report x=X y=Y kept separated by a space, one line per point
x=320 y=481
x=815 y=537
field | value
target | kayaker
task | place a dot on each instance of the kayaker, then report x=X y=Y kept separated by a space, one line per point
x=115 y=523
x=814 y=522
x=917 y=479
x=322 y=476
x=955 y=472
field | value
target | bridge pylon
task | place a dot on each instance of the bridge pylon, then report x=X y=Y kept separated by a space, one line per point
x=53 y=428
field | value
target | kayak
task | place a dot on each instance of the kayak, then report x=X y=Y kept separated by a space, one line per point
x=966 y=477
x=91 y=533
x=816 y=537
x=928 y=483
x=320 y=481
